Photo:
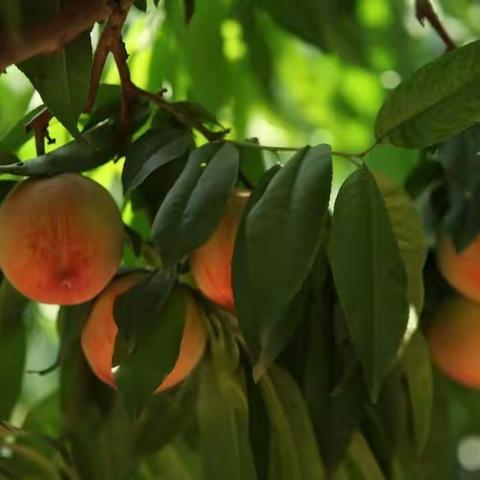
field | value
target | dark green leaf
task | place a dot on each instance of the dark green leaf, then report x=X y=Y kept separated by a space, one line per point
x=70 y=322
x=62 y=79
x=189 y=6
x=141 y=5
x=140 y=307
x=101 y=144
x=369 y=275
x=222 y=411
x=407 y=228
x=247 y=302
x=194 y=205
x=416 y=366
x=460 y=161
x=438 y=101
x=289 y=218
x=152 y=150
x=333 y=388
x=361 y=463
x=303 y=18
x=294 y=451
x=157 y=351
x=164 y=417
x=12 y=346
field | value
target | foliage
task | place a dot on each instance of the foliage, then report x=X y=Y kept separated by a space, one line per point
x=323 y=371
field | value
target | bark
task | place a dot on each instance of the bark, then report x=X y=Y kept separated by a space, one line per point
x=50 y=35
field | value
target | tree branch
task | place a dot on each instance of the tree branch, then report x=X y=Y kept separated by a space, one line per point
x=424 y=11
x=54 y=32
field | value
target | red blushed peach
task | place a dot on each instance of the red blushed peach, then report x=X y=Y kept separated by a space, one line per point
x=211 y=263
x=61 y=238
x=461 y=270
x=454 y=339
x=100 y=333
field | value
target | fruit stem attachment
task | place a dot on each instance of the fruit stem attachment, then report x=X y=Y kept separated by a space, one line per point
x=39 y=125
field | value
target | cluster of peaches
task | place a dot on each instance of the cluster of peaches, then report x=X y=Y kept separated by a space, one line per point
x=61 y=242
x=454 y=333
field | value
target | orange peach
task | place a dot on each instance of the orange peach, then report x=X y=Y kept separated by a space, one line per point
x=61 y=238
x=461 y=270
x=211 y=263
x=454 y=339
x=100 y=332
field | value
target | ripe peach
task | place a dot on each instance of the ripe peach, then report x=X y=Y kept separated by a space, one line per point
x=100 y=332
x=454 y=338
x=461 y=270
x=211 y=263
x=61 y=238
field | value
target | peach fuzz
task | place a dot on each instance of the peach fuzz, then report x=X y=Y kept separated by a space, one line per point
x=100 y=332
x=454 y=339
x=211 y=263
x=61 y=238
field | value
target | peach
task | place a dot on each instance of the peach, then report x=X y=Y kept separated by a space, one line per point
x=100 y=332
x=454 y=338
x=211 y=263
x=461 y=270
x=61 y=238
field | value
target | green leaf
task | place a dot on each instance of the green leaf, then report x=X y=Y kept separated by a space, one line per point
x=285 y=214
x=18 y=134
x=408 y=231
x=101 y=145
x=222 y=411
x=13 y=345
x=416 y=366
x=140 y=307
x=438 y=101
x=289 y=218
x=62 y=79
x=304 y=18
x=294 y=451
x=164 y=417
x=459 y=159
x=152 y=150
x=140 y=373
x=369 y=275
x=70 y=322
x=194 y=205
x=334 y=390
x=247 y=302
x=361 y=463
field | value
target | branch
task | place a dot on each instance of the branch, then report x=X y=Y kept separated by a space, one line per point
x=53 y=33
x=39 y=125
x=424 y=11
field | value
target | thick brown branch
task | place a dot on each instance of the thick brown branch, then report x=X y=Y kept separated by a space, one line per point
x=424 y=11
x=53 y=33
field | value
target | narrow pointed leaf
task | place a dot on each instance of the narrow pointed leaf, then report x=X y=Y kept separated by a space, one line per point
x=369 y=275
x=436 y=102
x=194 y=205
x=62 y=79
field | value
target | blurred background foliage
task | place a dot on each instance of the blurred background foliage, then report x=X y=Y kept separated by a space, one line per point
x=282 y=84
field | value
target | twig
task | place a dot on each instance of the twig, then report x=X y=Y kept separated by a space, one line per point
x=424 y=11
x=39 y=126
x=111 y=41
x=348 y=156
